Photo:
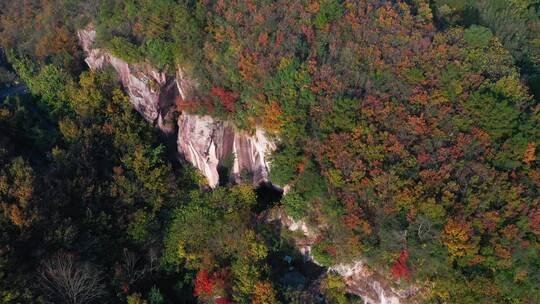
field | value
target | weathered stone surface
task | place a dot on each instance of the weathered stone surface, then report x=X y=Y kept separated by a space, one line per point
x=186 y=86
x=151 y=92
x=209 y=144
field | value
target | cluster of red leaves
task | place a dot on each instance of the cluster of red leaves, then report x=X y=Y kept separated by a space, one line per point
x=125 y=288
x=211 y=285
x=222 y=301
x=534 y=221
x=331 y=250
x=400 y=269
x=203 y=283
x=119 y=271
x=354 y=215
x=227 y=98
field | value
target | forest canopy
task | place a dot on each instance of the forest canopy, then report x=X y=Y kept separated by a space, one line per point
x=407 y=131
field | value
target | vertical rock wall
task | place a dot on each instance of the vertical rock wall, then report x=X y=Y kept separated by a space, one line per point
x=151 y=92
x=210 y=144
x=205 y=143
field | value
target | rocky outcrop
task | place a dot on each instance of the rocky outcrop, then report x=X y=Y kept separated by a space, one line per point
x=371 y=286
x=202 y=141
x=361 y=280
x=211 y=144
x=151 y=92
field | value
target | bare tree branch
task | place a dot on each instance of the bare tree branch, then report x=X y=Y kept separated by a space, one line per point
x=132 y=271
x=64 y=280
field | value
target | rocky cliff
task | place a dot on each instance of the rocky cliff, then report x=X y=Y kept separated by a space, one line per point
x=151 y=92
x=210 y=144
x=204 y=142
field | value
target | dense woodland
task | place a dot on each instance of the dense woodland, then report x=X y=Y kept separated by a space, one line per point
x=407 y=131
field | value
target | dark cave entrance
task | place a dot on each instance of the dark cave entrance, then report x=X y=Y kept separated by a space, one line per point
x=223 y=173
x=268 y=195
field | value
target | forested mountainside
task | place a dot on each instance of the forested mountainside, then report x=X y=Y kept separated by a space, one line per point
x=396 y=142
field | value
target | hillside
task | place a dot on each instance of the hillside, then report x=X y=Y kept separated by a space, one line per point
x=242 y=151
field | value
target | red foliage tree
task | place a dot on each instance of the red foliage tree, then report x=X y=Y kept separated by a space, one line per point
x=534 y=221
x=331 y=250
x=227 y=98
x=203 y=283
x=400 y=269
x=125 y=288
x=192 y=105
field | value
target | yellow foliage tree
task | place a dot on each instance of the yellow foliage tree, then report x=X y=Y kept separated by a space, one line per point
x=457 y=238
x=272 y=120
x=530 y=153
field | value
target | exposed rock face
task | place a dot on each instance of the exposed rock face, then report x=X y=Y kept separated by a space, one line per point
x=371 y=286
x=210 y=144
x=202 y=141
x=151 y=92
x=360 y=278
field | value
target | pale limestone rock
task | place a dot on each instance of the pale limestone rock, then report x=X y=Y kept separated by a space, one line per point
x=209 y=144
x=202 y=141
x=151 y=92
x=250 y=154
x=186 y=86
x=362 y=280
x=196 y=144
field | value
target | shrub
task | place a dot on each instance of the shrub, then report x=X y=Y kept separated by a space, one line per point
x=477 y=36
x=295 y=205
x=324 y=252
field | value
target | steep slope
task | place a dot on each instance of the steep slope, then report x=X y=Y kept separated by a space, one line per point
x=205 y=143
x=210 y=144
x=360 y=279
x=151 y=92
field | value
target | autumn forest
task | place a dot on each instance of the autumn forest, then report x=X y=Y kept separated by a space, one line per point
x=400 y=165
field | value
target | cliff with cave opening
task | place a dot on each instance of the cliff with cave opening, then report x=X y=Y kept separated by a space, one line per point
x=209 y=144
